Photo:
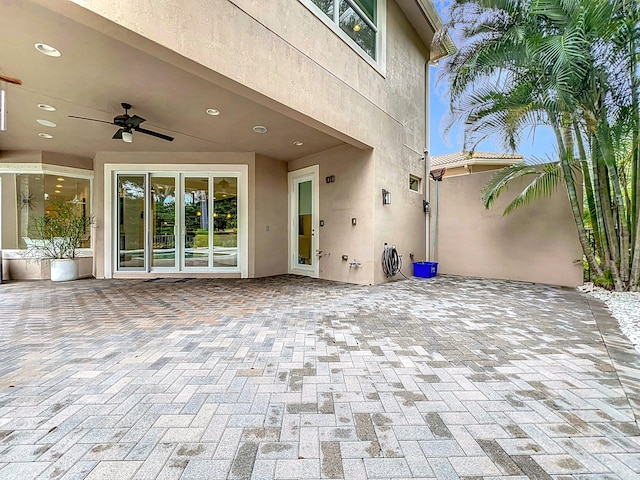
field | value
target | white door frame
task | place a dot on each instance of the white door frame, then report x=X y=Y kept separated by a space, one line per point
x=110 y=200
x=295 y=178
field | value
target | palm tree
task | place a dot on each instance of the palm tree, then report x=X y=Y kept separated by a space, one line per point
x=571 y=65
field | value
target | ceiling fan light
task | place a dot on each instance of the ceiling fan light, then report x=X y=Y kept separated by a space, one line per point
x=127 y=137
x=47 y=50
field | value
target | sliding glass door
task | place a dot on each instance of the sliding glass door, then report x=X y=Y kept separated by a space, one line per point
x=163 y=222
x=225 y=222
x=195 y=229
x=131 y=232
x=174 y=222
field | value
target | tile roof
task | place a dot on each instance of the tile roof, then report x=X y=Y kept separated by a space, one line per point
x=467 y=158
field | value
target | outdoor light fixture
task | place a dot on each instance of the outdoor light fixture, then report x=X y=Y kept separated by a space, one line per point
x=386 y=197
x=127 y=137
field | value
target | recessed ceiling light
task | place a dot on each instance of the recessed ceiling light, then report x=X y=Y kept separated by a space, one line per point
x=45 y=135
x=47 y=50
x=298 y=143
x=58 y=186
x=56 y=191
x=260 y=129
x=60 y=179
x=46 y=123
x=213 y=111
x=48 y=108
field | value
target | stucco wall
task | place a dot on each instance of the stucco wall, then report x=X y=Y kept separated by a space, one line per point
x=323 y=83
x=349 y=196
x=403 y=223
x=324 y=79
x=537 y=243
x=270 y=217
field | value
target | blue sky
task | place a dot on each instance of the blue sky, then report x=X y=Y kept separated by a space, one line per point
x=541 y=145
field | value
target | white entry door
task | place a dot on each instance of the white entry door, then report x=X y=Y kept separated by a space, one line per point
x=304 y=221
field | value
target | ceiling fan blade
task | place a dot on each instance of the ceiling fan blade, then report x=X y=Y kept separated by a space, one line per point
x=92 y=119
x=134 y=121
x=154 y=134
x=118 y=134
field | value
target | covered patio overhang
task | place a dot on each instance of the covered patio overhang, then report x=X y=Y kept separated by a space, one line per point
x=103 y=64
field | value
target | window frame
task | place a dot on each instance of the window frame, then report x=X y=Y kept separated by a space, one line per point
x=111 y=170
x=419 y=182
x=379 y=27
x=39 y=168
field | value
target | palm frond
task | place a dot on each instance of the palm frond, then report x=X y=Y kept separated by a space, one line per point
x=544 y=184
x=499 y=182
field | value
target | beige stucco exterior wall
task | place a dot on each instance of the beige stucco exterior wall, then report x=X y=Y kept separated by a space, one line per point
x=403 y=223
x=538 y=243
x=325 y=80
x=271 y=203
x=323 y=83
x=349 y=196
x=53 y=158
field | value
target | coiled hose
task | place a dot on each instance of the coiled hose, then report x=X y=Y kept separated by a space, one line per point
x=391 y=261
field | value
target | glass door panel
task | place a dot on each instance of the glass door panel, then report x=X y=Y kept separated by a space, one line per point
x=131 y=222
x=196 y=210
x=225 y=222
x=163 y=222
x=305 y=224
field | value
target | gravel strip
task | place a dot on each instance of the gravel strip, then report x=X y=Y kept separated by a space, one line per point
x=624 y=306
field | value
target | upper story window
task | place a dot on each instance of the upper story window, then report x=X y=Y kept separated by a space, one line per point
x=356 y=18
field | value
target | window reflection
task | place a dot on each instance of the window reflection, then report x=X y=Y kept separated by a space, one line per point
x=225 y=222
x=358 y=29
x=39 y=194
x=357 y=18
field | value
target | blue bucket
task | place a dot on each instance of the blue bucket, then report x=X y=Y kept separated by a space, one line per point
x=425 y=269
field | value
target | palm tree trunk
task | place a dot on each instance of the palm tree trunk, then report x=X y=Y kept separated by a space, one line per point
x=612 y=261
x=570 y=184
x=634 y=13
x=604 y=143
x=594 y=213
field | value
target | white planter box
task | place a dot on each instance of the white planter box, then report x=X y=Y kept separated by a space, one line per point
x=64 y=269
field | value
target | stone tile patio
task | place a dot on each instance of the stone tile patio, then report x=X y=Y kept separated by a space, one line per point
x=295 y=378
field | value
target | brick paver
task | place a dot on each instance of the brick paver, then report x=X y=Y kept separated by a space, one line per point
x=290 y=378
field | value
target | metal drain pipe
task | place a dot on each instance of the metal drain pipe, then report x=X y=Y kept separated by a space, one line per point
x=427 y=155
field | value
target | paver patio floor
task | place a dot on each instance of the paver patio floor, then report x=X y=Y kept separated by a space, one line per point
x=293 y=378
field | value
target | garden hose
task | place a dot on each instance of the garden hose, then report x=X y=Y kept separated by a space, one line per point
x=391 y=261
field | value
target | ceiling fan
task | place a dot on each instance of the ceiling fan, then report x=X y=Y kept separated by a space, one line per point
x=128 y=123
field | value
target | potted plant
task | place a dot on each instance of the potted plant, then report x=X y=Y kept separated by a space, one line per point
x=57 y=236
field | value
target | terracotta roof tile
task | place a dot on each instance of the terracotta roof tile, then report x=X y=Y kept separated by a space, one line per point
x=448 y=159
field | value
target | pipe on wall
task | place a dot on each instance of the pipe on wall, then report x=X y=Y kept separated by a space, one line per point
x=427 y=155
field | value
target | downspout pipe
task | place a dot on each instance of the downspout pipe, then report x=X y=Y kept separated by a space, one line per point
x=427 y=155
